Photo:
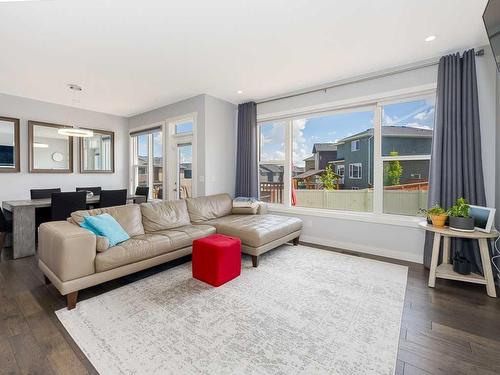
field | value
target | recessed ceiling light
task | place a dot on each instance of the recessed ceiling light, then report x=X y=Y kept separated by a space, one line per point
x=239 y=92
x=430 y=38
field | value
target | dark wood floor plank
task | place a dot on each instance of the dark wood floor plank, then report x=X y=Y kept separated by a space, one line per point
x=29 y=356
x=8 y=363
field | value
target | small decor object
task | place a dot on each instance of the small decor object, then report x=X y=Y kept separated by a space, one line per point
x=436 y=214
x=57 y=156
x=461 y=265
x=89 y=194
x=483 y=218
x=216 y=259
x=459 y=216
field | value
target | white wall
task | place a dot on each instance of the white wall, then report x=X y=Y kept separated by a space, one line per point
x=215 y=136
x=403 y=242
x=18 y=185
x=220 y=146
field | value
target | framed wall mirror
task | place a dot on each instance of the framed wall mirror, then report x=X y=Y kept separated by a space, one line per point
x=9 y=145
x=97 y=153
x=49 y=151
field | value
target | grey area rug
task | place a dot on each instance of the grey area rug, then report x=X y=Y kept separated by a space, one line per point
x=302 y=311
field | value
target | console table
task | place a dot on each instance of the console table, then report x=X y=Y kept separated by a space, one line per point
x=445 y=269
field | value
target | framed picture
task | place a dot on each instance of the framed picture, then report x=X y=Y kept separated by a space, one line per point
x=483 y=217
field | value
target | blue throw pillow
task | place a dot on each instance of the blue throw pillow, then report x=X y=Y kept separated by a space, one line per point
x=107 y=226
x=84 y=225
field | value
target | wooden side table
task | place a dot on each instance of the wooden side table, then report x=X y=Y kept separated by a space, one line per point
x=445 y=269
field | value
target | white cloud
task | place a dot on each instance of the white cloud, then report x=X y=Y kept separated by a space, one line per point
x=416 y=125
x=424 y=115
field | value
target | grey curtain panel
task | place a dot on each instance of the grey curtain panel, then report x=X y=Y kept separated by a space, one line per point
x=456 y=164
x=246 y=158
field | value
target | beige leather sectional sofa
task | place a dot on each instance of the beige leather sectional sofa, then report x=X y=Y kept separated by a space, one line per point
x=73 y=258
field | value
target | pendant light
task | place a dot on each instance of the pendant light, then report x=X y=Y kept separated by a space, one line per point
x=75 y=131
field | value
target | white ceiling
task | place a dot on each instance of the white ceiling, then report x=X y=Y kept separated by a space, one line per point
x=132 y=56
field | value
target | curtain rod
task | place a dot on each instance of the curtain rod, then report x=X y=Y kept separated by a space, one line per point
x=366 y=77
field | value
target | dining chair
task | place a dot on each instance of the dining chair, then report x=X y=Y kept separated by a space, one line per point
x=42 y=214
x=96 y=190
x=5 y=227
x=63 y=204
x=43 y=193
x=111 y=198
x=142 y=190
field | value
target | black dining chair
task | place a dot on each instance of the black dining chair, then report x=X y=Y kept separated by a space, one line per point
x=42 y=214
x=43 y=193
x=5 y=227
x=111 y=198
x=96 y=190
x=142 y=190
x=63 y=204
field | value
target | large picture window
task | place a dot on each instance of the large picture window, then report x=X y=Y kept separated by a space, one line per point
x=368 y=159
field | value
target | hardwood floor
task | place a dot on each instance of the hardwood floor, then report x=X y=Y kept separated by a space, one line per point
x=452 y=329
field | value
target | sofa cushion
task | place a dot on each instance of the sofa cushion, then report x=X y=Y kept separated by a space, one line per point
x=164 y=215
x=128 y=216
x=130 y=251
x=149 y=245
x=210 y=207
x=256 y=230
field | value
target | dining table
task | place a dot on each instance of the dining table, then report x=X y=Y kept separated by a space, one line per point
x=23 y=213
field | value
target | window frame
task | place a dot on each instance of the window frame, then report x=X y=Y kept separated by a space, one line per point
x=351 y=171
x=356 y=142
x=376 y=102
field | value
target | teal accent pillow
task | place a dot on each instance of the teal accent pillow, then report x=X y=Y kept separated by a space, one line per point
x=84 y=225
x=108 y=227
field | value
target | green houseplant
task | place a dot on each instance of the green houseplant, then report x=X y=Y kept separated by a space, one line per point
x=436 y=214
x=459 y=216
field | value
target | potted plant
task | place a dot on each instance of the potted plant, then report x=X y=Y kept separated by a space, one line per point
x=459 y=216
x=436 y=214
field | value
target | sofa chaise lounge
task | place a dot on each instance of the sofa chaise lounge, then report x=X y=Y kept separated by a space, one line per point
x=73 y=258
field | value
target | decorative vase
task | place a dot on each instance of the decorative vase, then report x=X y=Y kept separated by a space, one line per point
x=439 y=220
x=462 y=224
x=461 y=265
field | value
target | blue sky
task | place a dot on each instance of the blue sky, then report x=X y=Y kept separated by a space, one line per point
x=326 y=129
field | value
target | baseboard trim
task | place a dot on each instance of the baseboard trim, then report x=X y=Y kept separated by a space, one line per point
x=363 y=249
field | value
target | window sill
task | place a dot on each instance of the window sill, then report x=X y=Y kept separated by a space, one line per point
x=369 y=217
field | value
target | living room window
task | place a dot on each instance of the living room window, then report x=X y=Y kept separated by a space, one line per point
x=272 y=161
x=407 y=129
x=384 y=145
x=147 y=160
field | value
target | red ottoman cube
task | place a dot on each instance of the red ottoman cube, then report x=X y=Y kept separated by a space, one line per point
x=216 y=259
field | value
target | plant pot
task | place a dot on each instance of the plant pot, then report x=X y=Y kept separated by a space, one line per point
x=439 y=220
x=463 y=224
x=461 y=265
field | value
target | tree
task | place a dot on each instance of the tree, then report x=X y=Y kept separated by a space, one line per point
x=329 y=178
x=393 y=171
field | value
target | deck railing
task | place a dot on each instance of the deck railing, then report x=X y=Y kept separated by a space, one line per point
x=271 y=192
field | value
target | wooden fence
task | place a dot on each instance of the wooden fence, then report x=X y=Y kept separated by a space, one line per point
x=401 y=202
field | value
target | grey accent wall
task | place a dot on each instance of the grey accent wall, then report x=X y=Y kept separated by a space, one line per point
x=215 y=136
x=17 y=185
x=184 y=107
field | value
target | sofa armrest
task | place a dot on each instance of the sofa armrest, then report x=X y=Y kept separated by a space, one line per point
x=66 y=249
